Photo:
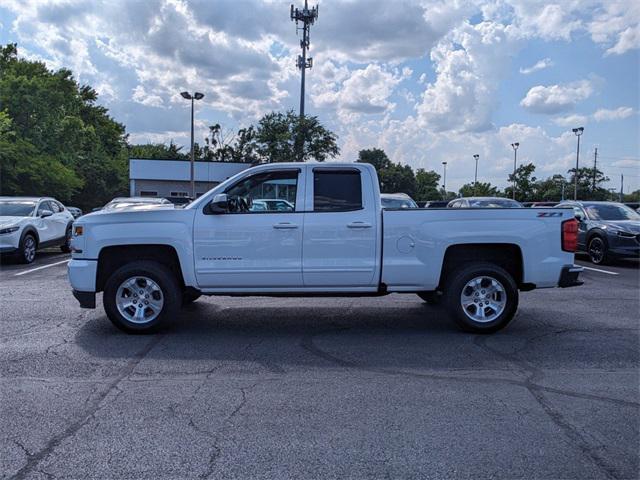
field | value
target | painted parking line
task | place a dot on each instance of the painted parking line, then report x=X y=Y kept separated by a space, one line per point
x=600 y=271
x=40 y=268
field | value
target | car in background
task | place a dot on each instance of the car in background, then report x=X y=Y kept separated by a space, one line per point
x=180 y=201
x=436 y=204
x=127 y=202
x=75 y=211
x=606 y=230
x=543 y=204
x=397 y=200
x=30 y=223
x=484 y=202
x=271 y=205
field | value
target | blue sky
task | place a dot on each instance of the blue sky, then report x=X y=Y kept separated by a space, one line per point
x=426 y=81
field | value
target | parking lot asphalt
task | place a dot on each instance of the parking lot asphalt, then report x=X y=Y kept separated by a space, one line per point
x=320 y=388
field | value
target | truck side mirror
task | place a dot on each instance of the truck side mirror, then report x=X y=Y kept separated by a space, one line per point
x=219 y=204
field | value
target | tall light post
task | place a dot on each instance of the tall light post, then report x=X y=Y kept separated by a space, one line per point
x=578 y=131
x=515 y=161
x=475 y=178
x=444 y=180
x=195 y=96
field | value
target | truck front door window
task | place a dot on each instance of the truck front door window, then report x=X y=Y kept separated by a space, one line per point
x=269 y=192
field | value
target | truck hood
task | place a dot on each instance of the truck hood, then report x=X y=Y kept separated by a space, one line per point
x=137 y=214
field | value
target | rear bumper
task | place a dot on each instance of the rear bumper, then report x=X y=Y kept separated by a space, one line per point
x=86 y=299
x=569 y=276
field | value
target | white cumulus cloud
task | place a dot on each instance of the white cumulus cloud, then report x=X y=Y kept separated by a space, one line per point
x=539 y=65
x=557 y=98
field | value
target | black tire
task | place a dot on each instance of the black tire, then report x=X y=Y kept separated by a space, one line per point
x=457 y=283
x=164 y=278
x=27 y=250
x=66 y=246
x=189 y=296
x=431 y=298
x=598 y=250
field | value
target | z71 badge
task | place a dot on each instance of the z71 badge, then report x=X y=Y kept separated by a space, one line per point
x=549 y=214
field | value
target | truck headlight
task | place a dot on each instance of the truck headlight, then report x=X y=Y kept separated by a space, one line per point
x=8 y=230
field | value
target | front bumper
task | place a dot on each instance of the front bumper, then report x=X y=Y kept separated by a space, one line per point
x=86 y=299
x=569 y=276
x=82 y=276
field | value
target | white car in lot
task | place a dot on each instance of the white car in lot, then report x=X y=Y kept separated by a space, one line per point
x=30 y=223
x=337 y=240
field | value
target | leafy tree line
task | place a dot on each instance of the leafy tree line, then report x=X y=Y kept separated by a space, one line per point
x=54 y=138
x=273 y=139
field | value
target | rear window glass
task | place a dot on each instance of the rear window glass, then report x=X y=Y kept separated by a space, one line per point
x=337 y=191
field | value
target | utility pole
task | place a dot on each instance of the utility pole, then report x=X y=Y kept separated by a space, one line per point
x=621 y=188
x=595 y=164
x=444 y=180
x=308 y=17
x=515 y=161
x=475 y=180
x=578 y=131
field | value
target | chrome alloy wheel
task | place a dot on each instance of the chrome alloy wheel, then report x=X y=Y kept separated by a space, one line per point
x=483 y=299
x=29 y=249
x=139 y=299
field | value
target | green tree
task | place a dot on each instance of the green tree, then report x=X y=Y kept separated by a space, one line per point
x=277 y=134
x=585 y=184
x=525 y=183
x=480 y=190
x=157 y=151
x=550 y=189
x=427 y=185
x=59 y=141
x=393 y=177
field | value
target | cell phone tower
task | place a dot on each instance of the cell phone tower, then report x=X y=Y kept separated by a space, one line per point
x=307 y=16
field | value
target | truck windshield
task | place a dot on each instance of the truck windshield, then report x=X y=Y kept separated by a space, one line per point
x=13 y=208
x=611 y=211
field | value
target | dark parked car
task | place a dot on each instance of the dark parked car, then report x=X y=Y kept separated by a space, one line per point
x=606 y=230
x=484 y=202
x=75 y=211
x=436 y=204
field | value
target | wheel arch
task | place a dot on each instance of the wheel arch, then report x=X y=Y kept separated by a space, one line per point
x=32 y=230
x=506 y=255
x=113 y=257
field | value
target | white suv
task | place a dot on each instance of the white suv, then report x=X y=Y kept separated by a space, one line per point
x=29 y=223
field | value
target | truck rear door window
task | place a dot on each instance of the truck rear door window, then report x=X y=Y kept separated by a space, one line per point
x=336 y=191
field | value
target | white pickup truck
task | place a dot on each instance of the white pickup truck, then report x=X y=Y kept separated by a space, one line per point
x=328 y=236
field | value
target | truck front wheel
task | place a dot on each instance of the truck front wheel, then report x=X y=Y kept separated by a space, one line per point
x=482 y=297
x=142 y=297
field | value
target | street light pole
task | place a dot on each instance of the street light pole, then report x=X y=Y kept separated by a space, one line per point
x=475 y=178
x=444 y=180
x=195 y=96
x=578 y=131
x=515 y=161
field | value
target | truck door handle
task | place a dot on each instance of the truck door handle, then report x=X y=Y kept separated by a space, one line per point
x=285 y=226
x=359 y=225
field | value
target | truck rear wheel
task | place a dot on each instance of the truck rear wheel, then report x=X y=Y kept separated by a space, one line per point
x=142 y=297
x=482 y=297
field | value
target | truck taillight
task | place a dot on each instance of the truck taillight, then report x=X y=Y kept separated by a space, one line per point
x=570 y=235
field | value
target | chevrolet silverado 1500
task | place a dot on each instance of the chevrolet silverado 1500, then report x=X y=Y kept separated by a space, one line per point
x=334 y=240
